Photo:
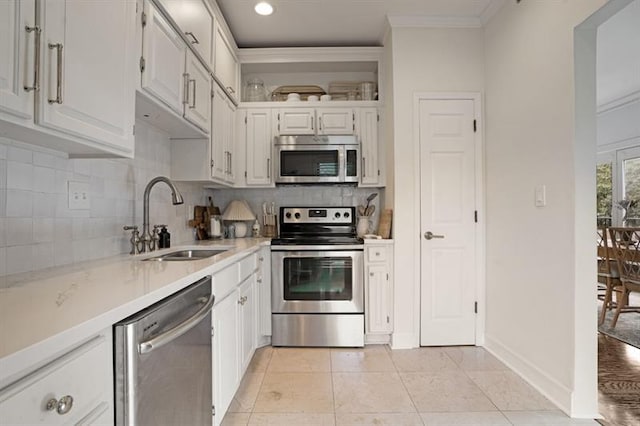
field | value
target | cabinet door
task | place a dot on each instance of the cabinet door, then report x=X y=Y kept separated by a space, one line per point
x=259 y=140
x=225 y=65
x=197 y=107
x=248 y=313
x=219 y=159
x=17 y=56
x=298 y=121
x=164 y=53
x=368 y=130
x=195 y=21
x=87 y=79
x=225 y=352
x=264 y=291
x=378 y=316
x=336 y=121
x=229 y=141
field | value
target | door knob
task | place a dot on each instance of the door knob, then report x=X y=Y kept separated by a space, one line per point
x=430 y=235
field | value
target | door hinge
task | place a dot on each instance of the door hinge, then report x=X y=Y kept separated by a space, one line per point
x=475 y=126
x=378 y=115
x=378 y=172
x=212 y=164
x=142 y=64
x=133 y=130
x=143 y=18
x=245 y=120
x=475 y=216
x=245 y=173
x=475 y=307
x=387 y=276
x=213 y=410
x=213 y=94
x=387 y=319
x=213 y=331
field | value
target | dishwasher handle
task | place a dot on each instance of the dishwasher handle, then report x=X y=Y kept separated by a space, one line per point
x=177 y=331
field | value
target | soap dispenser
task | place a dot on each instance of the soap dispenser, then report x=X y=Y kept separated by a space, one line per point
x=165 y=238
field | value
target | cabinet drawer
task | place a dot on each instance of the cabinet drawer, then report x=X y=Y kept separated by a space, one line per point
x=225 y=281
x=84 y=374
x=248 y=266
x=376 y=254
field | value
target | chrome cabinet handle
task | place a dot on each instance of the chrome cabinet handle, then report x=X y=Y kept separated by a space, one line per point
x=195 y=40
x=180 y=329
x=58 y=47
x=430 y=235
x=193 y=105
x=268 y=177
x=231 y=163
x=320 y=124
x=312 y=124
x=364 y=174
x=36 y=59
x=185 y=89
x=63 y=406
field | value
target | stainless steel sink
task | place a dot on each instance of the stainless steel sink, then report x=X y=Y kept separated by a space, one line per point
x=181 y=255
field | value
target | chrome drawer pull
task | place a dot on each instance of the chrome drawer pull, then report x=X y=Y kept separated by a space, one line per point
x=36 y=59
x=63 y=406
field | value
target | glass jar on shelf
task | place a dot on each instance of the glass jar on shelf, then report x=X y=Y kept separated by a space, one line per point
x=254 y=91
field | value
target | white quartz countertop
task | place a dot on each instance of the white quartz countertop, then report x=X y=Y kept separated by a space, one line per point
x=43 y=312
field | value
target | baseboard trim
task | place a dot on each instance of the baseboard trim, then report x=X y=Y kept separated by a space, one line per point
x=555 y=391
x=377 y=339
x=404 y=341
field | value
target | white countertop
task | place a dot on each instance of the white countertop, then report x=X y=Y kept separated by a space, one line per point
x=43 y=312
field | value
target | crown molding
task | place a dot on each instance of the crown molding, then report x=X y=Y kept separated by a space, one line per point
x=619 y=102
x=426 y=21
x=492 y=8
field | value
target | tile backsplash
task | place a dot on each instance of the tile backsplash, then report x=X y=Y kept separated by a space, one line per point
x=37 y=228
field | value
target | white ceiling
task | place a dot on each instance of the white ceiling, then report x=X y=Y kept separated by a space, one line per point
x=302 y=23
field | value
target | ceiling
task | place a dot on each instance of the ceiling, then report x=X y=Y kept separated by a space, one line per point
x=304 y=23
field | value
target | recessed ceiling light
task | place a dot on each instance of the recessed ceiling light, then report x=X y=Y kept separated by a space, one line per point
x=263 y=8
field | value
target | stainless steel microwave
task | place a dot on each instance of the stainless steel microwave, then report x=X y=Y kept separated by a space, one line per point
x=317 y=159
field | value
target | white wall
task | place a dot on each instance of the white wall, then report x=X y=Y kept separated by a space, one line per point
x=37 y=229
x=531 y=283
x=424 y=60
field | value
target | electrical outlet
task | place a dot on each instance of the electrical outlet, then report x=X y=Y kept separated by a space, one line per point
x=79 y=196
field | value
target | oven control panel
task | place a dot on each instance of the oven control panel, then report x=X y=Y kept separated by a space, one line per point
x=337 y=215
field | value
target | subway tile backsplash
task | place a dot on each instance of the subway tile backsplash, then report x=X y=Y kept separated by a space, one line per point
x=37 y=228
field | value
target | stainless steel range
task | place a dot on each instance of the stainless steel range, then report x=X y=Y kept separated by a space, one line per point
x=317 y=296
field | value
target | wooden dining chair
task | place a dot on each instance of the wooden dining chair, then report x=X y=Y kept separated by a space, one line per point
x=625 y=243
x=607 y=272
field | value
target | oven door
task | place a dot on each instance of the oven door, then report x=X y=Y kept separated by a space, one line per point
x=310 y=163
x=325 y=281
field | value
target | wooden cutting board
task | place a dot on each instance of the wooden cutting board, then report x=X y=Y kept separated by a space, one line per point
x=384 y=228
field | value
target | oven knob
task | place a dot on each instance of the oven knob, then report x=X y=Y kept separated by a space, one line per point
x=337 y=215
x=288 y=215
x=297 y=215
x=346 y=214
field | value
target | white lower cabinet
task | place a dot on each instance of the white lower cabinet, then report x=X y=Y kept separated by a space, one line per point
x=378 y=275
x=74 y=388
x=235 y=327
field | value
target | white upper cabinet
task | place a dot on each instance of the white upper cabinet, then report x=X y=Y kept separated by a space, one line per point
x=369 y=147
x=19 y=41
x=195 y=21
x=225 y=65
x=259 y=138
x=312 y=121
x=87 y=80
x=65 y=79
x=197 y=104
x=163 y=53
x=222 y=136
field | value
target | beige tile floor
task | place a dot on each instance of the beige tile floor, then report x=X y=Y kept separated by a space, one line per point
x=459 y=386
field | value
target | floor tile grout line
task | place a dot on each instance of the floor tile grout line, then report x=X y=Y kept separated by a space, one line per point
x=333 y=389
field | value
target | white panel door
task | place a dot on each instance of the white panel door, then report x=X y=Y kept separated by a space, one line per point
x=259 y=139
x=17 y=57
x=336 y=121
x=378 y=316
x=248 y=313
x=164 y=54
x=368 y=129
x=298 y=121
x=448 y=283
x=197 y=107
x=225 y=64
x=88 y=70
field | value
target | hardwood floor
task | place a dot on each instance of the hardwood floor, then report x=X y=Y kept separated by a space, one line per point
x=618 y=382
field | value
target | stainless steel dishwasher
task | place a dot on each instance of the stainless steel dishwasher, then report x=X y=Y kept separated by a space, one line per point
x=163 y=361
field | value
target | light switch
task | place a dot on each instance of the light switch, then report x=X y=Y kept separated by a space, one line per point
x=79 y=196
x=541 y=195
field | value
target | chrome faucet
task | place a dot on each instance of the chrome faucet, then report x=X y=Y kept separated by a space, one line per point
x=147 y=240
